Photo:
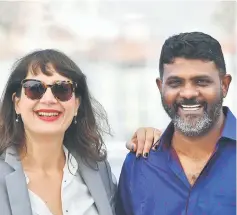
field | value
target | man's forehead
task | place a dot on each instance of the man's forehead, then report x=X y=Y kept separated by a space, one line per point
x=190 y=63
x=190 y=67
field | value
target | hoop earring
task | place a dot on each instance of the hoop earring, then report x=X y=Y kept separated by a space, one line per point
x=75 y=119
x=17 y=118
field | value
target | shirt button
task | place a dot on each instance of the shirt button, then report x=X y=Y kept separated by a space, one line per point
x=66 y=211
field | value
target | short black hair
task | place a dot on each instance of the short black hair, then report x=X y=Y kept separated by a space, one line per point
x=192 y=45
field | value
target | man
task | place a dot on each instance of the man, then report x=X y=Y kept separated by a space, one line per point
x=193 y=171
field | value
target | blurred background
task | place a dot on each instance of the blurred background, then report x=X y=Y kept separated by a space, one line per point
x=116 y=43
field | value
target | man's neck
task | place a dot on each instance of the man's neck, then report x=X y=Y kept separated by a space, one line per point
x=197 y=147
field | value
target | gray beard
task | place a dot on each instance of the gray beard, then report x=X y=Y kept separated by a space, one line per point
x=195 y=126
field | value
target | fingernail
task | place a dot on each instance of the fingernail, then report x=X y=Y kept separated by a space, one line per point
x=138 y=155
x=145 y=155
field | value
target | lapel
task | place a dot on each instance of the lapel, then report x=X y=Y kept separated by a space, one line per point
x=18 y=192
x=16 y=185
x=96 y=187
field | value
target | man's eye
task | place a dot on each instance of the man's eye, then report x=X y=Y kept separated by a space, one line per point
x=202 y=82
x=174 y=83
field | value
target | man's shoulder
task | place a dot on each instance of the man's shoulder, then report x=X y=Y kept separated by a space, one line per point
x=132 y=163
x=229 y=129
x=130 y=158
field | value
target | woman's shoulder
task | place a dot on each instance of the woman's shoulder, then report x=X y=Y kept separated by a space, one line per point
x=106 y=174
x=5 y=168
x=7 y=160
x=104 y=167
x=109 y=181
x=2 y=159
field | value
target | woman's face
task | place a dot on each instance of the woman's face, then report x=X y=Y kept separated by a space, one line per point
x=47 y=115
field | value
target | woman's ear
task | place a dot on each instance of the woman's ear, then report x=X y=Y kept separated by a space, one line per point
x=16 y=101
x=78 y=102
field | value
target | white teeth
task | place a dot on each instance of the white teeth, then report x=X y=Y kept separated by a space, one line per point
x=47 y=114
x=191 y=107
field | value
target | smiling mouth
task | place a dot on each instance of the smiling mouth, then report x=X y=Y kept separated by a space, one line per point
x=191 y=107
x=48 y=114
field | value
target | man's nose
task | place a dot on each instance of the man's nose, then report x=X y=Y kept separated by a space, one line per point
x=189 y=92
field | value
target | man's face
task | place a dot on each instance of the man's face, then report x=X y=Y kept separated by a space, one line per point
x=192 y=93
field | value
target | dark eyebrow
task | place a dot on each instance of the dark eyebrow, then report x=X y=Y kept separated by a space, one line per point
x=174 y=78
x=193 y=78
x=201 y=77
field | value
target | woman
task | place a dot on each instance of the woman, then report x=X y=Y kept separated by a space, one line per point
x=53 y=159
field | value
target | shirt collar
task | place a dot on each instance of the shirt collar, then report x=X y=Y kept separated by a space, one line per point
x=229 y=130
x=166 y=137
x=71 y=163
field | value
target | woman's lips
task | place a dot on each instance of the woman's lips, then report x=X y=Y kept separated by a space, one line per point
x=48 y=115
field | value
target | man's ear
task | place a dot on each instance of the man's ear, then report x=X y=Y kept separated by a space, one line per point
x=225 y=83
x=16 y=101
x=159 y=84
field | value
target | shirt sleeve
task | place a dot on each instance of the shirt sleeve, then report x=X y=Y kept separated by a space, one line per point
x=124 y=199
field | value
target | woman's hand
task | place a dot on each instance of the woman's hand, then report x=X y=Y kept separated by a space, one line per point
x=143 y=140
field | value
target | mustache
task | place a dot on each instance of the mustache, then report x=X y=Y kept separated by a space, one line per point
x=192 y=101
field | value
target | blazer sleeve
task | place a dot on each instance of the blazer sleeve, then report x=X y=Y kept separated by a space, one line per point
x=5 y=207
x=109 y=181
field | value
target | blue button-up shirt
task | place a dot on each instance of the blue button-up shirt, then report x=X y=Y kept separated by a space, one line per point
x=159 y=186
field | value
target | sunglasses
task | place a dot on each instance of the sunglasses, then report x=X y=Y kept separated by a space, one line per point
x=61 y=90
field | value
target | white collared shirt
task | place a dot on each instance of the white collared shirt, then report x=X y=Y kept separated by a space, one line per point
x=76 y=198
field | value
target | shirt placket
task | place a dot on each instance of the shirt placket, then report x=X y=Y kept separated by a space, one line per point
x=67 y=180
